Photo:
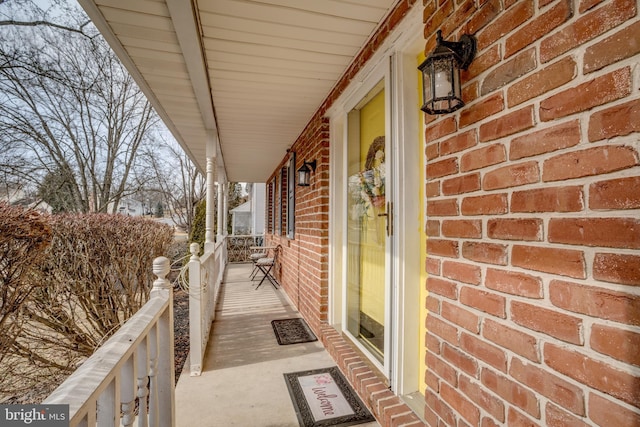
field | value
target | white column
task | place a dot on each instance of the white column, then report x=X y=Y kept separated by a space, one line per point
x=209 y=236
x=221 y=221
x=225 y=209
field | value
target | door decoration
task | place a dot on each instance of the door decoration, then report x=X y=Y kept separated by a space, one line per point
x=366 y=187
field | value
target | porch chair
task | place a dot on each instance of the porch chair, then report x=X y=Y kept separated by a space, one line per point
x=266 y=265
x=257 y=252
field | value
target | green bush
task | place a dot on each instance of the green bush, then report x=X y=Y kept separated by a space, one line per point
x=198 y=229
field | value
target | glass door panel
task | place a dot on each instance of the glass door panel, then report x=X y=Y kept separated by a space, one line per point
x=367 y=222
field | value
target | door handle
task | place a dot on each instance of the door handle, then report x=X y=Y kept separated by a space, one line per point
x=389 y=215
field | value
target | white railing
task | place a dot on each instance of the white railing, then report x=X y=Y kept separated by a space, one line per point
x=131 y=378
x=205 y=278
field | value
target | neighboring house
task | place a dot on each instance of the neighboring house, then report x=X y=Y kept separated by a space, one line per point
x=249 y=217
x=241 y=219
x=17 y=196
x=481 y=267
x=130 y=207
x=258 y=213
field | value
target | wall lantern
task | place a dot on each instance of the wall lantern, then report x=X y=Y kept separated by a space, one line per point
x=441 y=74
x=304 y=173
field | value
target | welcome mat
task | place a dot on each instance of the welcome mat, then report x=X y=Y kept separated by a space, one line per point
x=322 y=397
x=292 y=331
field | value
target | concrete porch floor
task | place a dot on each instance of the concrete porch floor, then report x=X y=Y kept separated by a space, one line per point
x=242 y=381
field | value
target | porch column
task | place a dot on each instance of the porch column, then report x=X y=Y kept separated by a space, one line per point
x=221 y=218
x=225 y=209
x=209 y=238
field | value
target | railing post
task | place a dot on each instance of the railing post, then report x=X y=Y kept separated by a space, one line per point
x=165 y=370
x=161 y=286
x=195 y=311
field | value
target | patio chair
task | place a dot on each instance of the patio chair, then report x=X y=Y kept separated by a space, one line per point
x=266 y=265
x=257 y=252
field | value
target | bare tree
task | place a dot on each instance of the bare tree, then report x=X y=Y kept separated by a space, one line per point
x=69 y=108
x=29 y=13
x=176 y=179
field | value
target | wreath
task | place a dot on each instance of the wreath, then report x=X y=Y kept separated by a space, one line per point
x=367 y=186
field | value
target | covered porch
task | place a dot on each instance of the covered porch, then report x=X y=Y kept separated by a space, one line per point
x=237 y=82
x=242 y=383
x=484 y=261
x=234 y=375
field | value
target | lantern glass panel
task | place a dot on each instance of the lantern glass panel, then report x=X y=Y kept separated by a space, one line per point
x=426 y=82
x=304 y=175
x=443 y=77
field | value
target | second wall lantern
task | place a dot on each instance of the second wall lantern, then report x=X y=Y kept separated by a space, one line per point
x=441 y=74
x=304 y=173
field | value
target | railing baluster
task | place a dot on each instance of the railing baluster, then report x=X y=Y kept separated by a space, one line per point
x=205 y=306
x=142 y=380
x=136 y=362
x=107 y=407
x=153 y=382
x=128 y=401
x=90 y=418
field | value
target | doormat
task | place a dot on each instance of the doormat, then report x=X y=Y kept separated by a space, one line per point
x=323 y=397
x=292 y=331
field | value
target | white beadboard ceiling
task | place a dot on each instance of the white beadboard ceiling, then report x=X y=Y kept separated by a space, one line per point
x=246 y=74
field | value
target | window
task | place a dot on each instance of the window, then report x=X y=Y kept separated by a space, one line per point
x=280 y=202
x=271 y=210
x=281 y=206
x=291 y=196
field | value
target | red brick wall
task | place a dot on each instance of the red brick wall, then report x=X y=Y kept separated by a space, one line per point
x=304 y=269
x=533 y=202
x=304 y=264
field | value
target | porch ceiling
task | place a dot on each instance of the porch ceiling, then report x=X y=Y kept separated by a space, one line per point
x=252 y=72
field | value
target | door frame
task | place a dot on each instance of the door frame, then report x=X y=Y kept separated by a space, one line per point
x=380 y=73
x=397 y=58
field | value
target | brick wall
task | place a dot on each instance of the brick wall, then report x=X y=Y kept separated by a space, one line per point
x=304 y=264
x=304 y=269
x=533 y=202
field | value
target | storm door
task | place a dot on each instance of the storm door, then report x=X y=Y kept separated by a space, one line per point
x=369 y=224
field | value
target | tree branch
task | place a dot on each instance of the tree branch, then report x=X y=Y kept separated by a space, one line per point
x=43 y=23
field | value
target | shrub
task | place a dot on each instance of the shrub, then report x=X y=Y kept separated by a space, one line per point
x=24 y=235
x=96 y=273
x=198 y=228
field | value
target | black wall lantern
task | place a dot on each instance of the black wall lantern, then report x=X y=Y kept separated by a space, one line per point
x=304 y=173
x=441 y=74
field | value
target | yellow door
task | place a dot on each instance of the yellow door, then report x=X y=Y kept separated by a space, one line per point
x=367 y=222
